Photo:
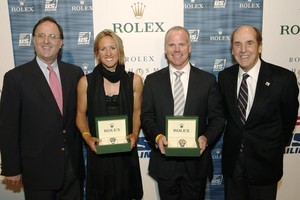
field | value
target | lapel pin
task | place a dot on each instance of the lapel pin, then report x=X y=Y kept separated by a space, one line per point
x=267 y=83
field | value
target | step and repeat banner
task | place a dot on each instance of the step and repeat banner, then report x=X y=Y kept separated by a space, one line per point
x=142 y=25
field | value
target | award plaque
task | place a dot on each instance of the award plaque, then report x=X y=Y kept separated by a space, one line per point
x=112 y=131
x=182 y=136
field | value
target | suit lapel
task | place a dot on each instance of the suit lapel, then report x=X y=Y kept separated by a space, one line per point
x=232 y=94
x=167 y=88
x=40 y=83
x=189 y=91
x=65 y=84
x=262 y=88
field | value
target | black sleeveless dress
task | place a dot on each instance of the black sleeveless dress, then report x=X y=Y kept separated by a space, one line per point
x=114 y=176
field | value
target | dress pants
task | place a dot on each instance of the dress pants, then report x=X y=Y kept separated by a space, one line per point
x=72 y=188
x=180 y=186
x=237 y=187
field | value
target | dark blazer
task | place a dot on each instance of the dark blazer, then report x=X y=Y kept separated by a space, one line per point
x=269 y=125
x=203 y=100
x=33 y=134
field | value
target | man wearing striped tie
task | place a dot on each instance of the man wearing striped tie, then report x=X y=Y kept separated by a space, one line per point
x=261 y=106
x=181 y=90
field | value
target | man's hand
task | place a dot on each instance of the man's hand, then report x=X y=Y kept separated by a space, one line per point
x=13 y=180
x=202 y=140
x=162 y=142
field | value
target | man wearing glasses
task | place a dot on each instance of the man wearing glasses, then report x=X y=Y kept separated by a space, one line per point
x=39 y=142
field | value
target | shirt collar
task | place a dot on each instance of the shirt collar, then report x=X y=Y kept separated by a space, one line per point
x=186 y=69
x=44 y=65
x=252 y=72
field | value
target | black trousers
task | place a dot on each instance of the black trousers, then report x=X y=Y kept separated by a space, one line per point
x=180 y=186
x=72 y=188
x=237 y=187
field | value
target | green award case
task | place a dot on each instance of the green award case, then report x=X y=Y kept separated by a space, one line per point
x=182 y=136
x=112 y=131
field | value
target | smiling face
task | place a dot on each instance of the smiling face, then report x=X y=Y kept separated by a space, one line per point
x=245 y=47
x=46 y=47
x=177 y=48
x=108 y=53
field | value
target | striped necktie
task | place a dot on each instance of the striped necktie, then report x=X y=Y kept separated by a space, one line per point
x=243 y=98
x=179 y=99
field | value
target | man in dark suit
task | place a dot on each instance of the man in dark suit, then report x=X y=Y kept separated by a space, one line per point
x=181 y=177
x=254 y=142
x=39 y=142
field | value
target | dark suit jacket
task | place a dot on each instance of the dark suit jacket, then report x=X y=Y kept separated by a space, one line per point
x=33 y=133
x=269 y=125
x=203 y=100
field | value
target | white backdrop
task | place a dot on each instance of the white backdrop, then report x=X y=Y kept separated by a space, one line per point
x=7 y=62
x=281 y=46
x=136 y=32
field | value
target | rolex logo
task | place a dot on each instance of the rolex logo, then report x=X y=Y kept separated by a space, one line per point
x=22 y=2
x=138 y=10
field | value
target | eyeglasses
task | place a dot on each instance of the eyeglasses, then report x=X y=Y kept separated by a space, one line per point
x=51 y=37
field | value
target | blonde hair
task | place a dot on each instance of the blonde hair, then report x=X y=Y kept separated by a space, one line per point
x=116 y=39
x=177 y=28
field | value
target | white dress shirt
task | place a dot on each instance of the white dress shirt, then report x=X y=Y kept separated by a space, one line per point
x=251 y=82
x=184 y=78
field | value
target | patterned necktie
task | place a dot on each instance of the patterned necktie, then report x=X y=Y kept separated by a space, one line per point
x=179 y=100
x=243 y=98
x=55 y=88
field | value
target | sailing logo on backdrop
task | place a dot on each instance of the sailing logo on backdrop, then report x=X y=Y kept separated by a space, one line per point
x=219 y=65
x=217 y=179
x=194 y=34
x=294 y=146
x=220 y=3
x=51 y=5
x=143 y=148
x=84 y=38
x=25 y=39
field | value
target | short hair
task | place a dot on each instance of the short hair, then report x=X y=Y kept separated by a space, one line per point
x=49 y=19
x=258 y=35
x=117 y=40
x=176 y=28
x=61 y=33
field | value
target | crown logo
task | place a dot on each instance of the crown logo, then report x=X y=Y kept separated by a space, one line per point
x=220 y=31
x=138 y=10
x=22 y=2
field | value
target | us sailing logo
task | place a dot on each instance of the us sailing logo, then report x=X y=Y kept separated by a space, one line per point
x=294 y=145
x=144 y=150
x=51 y=5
